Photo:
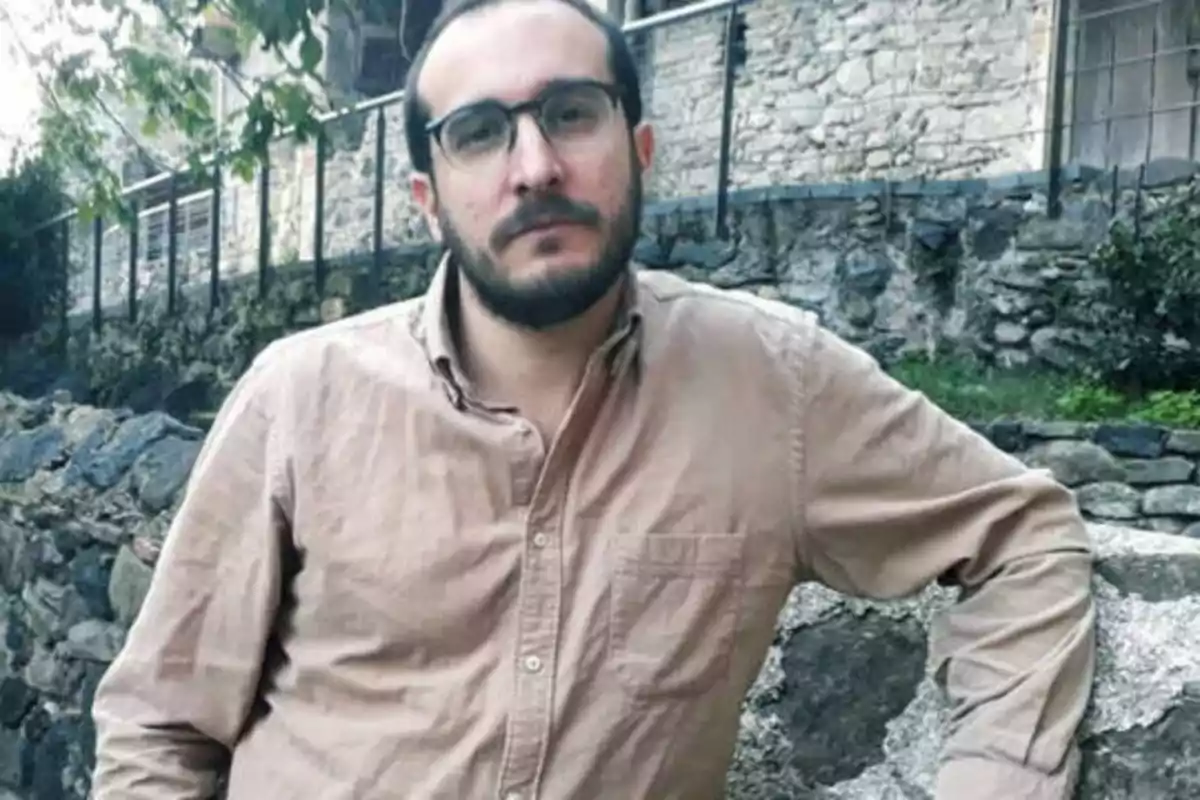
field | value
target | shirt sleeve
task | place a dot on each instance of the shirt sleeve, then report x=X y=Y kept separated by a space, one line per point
x=170 y=706
x=897 y=494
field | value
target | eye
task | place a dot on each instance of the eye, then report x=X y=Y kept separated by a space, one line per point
x=576 y=110
x=476 y=130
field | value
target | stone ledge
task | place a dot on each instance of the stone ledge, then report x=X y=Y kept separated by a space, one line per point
x=881 y=732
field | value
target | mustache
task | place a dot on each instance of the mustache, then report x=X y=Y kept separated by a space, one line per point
x=543 y=210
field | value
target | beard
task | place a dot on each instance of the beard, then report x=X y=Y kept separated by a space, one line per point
x=548 y=300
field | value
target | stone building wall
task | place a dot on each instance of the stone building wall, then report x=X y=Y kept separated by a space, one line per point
x=87 y=495
x=839 y=90
x=830 y=92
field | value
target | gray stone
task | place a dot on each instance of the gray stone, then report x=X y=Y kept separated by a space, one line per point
x=1152 y=472
x=11 y=772
x=162 y=470
x=1184 y=442
x=1176 y=501
x=23 y=454
x=1048 y=234
x=93 y=640
x=1192 y=531
x=1154 y=578
x=1156 y=761
x=866 y=272
x=52 y=608
x=1010 y=333
x=52 y=674
x=1057 y=347
x=1076 y=463
x=1136 y=441
x=892 y=651
x=108 y=464
x=1055 y=429
x=1109 y=501
x=129 y=584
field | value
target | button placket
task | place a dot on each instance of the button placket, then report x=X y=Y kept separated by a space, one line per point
x=540 y=598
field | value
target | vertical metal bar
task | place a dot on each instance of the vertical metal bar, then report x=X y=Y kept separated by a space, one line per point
x=133 y=262
x=380 y=155
x=1137 y=203
x=65 y=300
x=172 y=242
x=319 y=221
x=1109 y=155
x=264 y=223
x=722 y=213
x=1153 y=83
x=1116 y=188
x=1071 y=142
x=1058 y=81
x=97 y=250
x=214 y=242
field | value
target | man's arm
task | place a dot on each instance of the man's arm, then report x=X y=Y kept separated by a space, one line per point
x=171 y=705
x=897 y=494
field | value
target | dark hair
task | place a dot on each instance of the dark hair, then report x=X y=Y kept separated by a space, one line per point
x=416 y=112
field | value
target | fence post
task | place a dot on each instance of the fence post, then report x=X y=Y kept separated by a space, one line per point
x=133 y=262
x=377 y=235
x=1055 y=124
x=172 y=241
x=319 y=222
x=214 y=242
x=264 y=223
x=732 y=24
x=64 y=332
x=97 y=262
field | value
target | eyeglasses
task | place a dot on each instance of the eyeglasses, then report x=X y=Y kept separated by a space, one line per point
x=568 y=113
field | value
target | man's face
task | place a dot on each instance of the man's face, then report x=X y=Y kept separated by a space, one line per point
x=541 y=229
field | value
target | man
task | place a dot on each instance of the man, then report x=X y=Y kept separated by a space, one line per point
x=528 y=535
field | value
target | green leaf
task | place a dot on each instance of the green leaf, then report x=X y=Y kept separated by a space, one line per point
x=311 y=53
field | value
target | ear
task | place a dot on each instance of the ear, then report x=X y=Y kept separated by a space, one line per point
x=643 y=145
x=425 y=195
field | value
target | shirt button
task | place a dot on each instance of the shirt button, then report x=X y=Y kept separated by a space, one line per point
x=533 y=664
x=540 y=540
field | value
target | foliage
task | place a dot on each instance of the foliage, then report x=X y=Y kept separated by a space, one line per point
x=143 y=58
x=31 y=286
x=1147 y=312
x=972 y=390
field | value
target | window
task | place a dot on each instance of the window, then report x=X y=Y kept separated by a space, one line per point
x=390 y=33
x=1133 y=80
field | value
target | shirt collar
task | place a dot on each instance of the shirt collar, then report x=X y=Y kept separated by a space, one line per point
x=440 y=302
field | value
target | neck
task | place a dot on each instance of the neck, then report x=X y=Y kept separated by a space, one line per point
x=511 y=364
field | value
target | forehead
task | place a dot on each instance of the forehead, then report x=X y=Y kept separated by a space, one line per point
x=509 y=51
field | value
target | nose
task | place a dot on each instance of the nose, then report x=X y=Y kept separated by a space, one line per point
x=534 y=164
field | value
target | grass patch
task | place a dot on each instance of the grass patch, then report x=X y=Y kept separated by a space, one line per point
x=978 y=392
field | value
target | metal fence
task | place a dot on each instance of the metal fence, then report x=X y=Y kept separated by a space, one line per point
x=742 y=95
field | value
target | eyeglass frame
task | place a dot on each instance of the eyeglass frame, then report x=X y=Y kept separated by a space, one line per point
x=532 y=107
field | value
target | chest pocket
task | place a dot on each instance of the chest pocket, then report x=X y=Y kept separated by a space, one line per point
x=675 y=603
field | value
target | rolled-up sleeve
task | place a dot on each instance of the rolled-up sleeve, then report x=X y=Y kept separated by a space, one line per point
x=897 y=494
x=171 y=705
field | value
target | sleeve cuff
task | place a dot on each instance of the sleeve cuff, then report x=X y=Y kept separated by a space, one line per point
x=985 y=779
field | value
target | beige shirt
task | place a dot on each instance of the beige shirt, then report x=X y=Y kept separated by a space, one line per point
x=376 y=587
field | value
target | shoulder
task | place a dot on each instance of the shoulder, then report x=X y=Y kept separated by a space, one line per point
x=335 y=358
x=738 y=320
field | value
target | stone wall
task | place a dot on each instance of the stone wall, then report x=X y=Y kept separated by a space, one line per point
x=840 y=90
x=975 y=265
x=1141 y=476
x=86 y=497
